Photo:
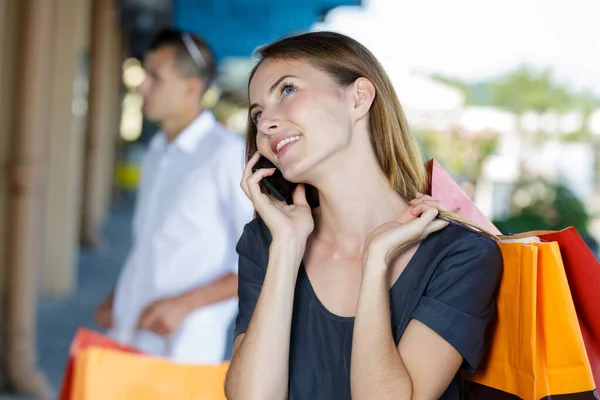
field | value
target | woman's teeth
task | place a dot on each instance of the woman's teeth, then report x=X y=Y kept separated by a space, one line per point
x=286 y=141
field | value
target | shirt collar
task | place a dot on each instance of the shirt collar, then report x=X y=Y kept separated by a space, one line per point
x=190 y=136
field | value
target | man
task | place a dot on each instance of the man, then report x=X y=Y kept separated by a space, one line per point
x=176 y=295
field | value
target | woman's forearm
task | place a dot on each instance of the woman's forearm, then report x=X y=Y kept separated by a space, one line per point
x=259 y=368
x=377 y=370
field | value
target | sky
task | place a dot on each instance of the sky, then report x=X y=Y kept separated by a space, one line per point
x=477 y=39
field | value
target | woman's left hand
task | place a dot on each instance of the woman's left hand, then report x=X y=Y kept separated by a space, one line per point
x=420 y=198
x=391 y=239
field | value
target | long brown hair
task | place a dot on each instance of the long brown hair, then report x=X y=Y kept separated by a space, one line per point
x=345 y=60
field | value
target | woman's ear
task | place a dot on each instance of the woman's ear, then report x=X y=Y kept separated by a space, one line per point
x=364 y=94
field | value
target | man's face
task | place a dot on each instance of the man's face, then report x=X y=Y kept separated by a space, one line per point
x=165 y=92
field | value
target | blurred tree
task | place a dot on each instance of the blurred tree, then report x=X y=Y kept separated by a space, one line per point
x=523 y=89
x=454 y=82
x=462 y=155
x=526 y=89
x=541 y=205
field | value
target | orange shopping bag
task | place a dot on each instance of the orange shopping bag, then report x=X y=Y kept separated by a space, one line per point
x=581 y=272
x=84 y=339
x=537 y=351
x=102 y=374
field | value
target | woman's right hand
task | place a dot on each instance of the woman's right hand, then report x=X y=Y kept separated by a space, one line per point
x=285 y=221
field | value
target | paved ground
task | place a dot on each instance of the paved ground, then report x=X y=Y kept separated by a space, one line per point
x=58 y=319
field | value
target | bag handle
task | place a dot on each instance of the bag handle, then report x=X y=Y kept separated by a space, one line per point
x=523 y=235
x=453 y=217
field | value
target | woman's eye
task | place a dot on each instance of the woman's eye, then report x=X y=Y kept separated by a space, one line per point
x=289 y=90
x=257 y=117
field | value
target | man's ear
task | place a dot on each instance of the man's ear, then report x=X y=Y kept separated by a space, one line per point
x=364 y=93
x=196 y=87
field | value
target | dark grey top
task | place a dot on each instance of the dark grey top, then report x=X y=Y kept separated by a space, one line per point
x=449 y=285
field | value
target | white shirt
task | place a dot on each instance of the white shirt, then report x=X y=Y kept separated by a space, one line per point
x=189 y=216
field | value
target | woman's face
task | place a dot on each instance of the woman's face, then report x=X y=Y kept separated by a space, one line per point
x=302 y=116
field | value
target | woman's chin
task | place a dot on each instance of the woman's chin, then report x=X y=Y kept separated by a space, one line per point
x=299 y=170
x=292 y=171
x=292 y=178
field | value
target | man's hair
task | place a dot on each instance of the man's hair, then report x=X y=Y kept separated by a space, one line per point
x=193 y=56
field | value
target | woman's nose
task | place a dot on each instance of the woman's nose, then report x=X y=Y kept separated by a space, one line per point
x=268 y=123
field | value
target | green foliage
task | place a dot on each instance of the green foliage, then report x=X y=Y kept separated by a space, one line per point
x=585 y=102
x=527 y=89
x=454 y=82
x=522 y=89
x=539 y=204
x=575 y=137
x=476 y=93
x=462 y=155
x=536 y=203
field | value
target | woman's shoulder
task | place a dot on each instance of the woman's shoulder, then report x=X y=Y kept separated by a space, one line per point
x=255 y=240
x=461 y=246
x=259 y=229
x=457 y=235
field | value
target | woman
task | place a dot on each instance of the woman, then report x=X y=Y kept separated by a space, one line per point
x=368 y=295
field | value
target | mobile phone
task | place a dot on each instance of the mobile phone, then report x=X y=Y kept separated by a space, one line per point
x=276 y=184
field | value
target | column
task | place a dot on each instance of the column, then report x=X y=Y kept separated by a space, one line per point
x=4 y=113
x=26 y=193
x=66 y=148
x=102 y=128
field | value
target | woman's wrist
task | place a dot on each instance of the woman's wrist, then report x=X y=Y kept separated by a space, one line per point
x=374 y=264
x=288 y=250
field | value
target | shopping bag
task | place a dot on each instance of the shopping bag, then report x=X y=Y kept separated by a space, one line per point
x=583 y=274
x=443 y=187
x=84 y=339
x=537 y=349
x=581 y=269
x=102 y=374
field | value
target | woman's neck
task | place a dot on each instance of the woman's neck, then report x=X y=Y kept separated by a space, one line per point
x=354 y=200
